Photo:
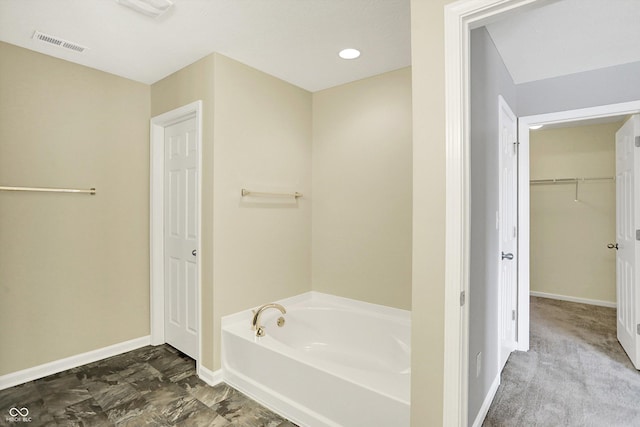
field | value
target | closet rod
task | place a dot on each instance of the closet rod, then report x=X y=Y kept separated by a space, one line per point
x=575 y=181
x=91 y=191
x=570 y=180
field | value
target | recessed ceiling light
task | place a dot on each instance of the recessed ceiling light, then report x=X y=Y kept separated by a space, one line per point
x=153 y=8
x=535 y=127
x=349 y=53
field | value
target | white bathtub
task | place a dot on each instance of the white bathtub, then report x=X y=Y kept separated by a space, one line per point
x=335 y=362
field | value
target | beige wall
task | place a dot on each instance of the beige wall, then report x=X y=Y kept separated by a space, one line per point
x=190 y=84
x=362 y=176
x=427 y=327
x=428 y=219
x=569 y=254
x=74 y=269
x=256 y=135
x=260 y=130
x=262 y=247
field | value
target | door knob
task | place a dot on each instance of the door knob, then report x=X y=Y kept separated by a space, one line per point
x=507 y=256
x=193 y=252
x=613 y=246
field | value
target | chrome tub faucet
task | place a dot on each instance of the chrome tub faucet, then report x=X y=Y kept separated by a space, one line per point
x=255 y=323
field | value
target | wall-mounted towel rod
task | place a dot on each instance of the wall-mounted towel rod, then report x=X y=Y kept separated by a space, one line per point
x=575 y=181
x=91 y=191
x=246 y=192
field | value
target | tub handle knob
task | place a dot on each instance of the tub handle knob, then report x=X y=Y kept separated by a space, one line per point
x=280 y=321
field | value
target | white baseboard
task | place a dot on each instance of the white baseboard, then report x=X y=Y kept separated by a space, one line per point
x=40 y=371
x=574 y=299
x=484 y=409
x=208 y=376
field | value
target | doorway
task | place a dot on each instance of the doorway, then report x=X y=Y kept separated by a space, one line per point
x=573 y=207
x=460 y=18
x=175 y=229
x=524 y=201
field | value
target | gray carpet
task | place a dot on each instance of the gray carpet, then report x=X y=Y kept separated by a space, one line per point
x=575 y=373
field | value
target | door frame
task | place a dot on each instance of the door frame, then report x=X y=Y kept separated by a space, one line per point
x=156 y=223
x=524 y=204
x=459 y=19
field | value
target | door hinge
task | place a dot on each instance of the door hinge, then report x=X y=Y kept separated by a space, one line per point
x=637 y=141
x=638 y=328
x=637 y=234
x=462 y=298
x=515 y=146
x=513 y=315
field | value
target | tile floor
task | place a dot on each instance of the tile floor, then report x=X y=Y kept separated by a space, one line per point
x=151 y=386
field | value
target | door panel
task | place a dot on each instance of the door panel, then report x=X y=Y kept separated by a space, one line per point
x=191 y=214
x=181 y=239
x=174 y=290
x=175 y=212
x=191 y=297
x=507 y=231
x=627 y=222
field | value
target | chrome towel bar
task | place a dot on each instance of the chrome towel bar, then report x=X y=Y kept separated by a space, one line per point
x=246 y=192
x=91 y=191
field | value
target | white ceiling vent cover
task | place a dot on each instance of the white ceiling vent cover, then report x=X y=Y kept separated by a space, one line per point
x=57 y=41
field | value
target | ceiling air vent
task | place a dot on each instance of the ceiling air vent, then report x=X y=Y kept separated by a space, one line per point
x=57 y=41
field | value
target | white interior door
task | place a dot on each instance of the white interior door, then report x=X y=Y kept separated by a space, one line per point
x=507 y=231
x=627 y=235
x=180 y=236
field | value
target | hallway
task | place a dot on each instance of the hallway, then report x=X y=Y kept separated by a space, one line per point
x=575 y=374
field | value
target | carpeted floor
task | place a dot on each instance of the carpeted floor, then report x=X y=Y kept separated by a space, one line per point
x=575 y=373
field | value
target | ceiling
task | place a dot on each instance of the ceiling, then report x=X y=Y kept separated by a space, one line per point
x=568 y=36
x=295 y=40
x=298 y=40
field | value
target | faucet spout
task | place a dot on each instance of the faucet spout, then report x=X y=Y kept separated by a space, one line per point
x=255 y=323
